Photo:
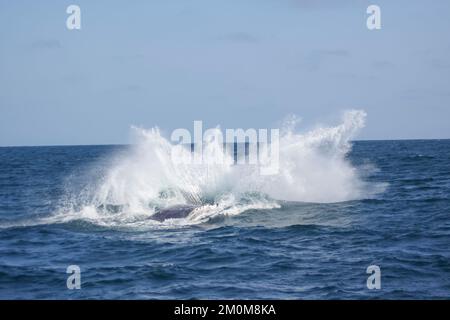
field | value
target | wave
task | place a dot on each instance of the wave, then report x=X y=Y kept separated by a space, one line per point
x=313 y=167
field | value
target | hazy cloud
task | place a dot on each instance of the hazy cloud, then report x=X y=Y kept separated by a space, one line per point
x=439 y=64
x=314 y=4
x=316 y=58
x=333 y=53
x=239 y=37
x=46 y=44
x=382 y=64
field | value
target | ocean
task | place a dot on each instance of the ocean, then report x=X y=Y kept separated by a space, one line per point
x=310 y=234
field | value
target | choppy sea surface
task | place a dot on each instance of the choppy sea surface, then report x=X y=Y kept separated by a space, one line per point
x=82 y=205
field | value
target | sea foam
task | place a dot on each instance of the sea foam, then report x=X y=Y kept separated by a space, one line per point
x=313 y=167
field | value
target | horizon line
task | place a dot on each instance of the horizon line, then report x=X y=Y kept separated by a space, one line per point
x=129 y=144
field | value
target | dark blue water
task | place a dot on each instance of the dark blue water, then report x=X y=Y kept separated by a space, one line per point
x=300 y=250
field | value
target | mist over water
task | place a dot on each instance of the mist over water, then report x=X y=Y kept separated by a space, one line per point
x=134 y=185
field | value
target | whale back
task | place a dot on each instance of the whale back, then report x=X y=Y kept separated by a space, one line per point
x=175 y=212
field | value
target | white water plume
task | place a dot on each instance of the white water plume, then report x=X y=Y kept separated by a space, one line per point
x=313 y=168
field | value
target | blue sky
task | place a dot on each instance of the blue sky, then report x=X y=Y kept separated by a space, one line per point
x=246 y=63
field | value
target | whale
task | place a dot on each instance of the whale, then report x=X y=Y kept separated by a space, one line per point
x=174 y=212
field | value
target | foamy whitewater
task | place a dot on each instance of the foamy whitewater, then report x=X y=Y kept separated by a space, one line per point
x=135 y=185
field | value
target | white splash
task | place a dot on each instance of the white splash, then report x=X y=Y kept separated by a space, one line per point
x=313 y=168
